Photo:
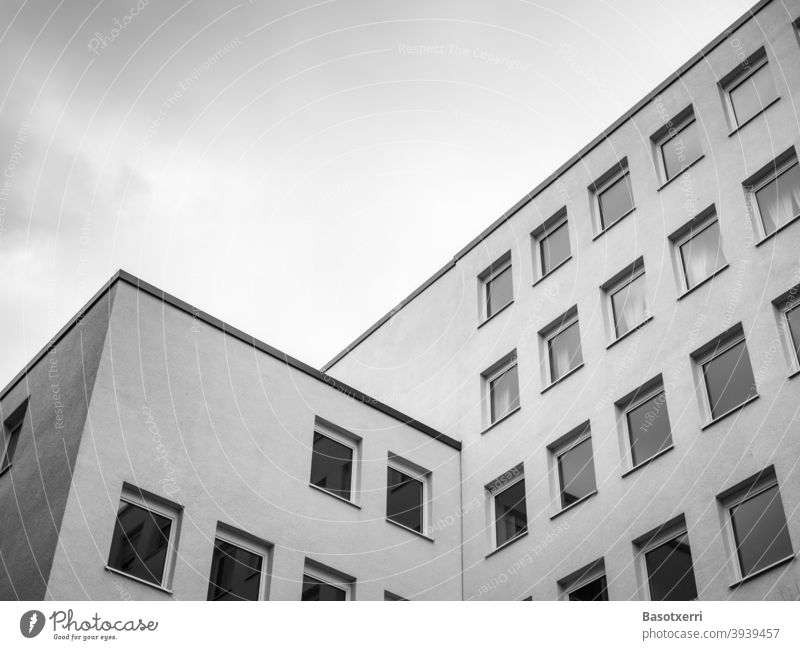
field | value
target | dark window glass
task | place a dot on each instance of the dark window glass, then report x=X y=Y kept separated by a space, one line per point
x=404 y=500
x=504 y=394
x=753 y=94
x=779 y=200
x=616 y=200
x=140 y=543
x=669 y=570
x=629 y=305
x=759 y=526
x=729 y=379
x=681 y=150
x=576 y=472
x=793 y=318
x=314 y=589
x=702 y=255
x=554 y=247
x=594 y=590
x=648 y=427
x=511 y=518
x=499 y=292
x=10 y=442
x=235 y=573
x=332 y=466
x=565 y=351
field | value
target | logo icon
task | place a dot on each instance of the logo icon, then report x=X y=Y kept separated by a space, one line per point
x=31 y=623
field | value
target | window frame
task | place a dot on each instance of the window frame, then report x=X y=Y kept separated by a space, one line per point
x=245 y=542
x=418 y=473
x=350 y=440
x=617 y=283
x=773 y=170
x=12 y=431
x=581 y=578
x=784 y=304
x=142 y=499
x=653 y=540
x=686 y=233
x=329 y=576
x=684 y=119
x=734 y=79
x=504 y=365
x=616 y=173
x=559 y=220
x=547 y=334
x=494 y=489
x=492 y=272
x=557 y=449
x=734 y=497
x=630 y=402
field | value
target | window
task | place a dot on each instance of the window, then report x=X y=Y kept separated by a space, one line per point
x=238 y=568
x=788 y=311
x=749 y=89
x=698 y=246
x=388 y=596
x=678 y=144
x=142 y=543
x=502 y=388
x=496 y=287
x=12 y=427
x=667 y=559
x=574 y=466
x=325 y=584
x=757 y=529
x=613 y=195
x=646 y=421
x=627 y=299
x=562 y=343
x=774 y=194
x=508 y=498
x=551 y=246
x=406 y=493
x=726 y=373
x=333 y=460
x=586 y=584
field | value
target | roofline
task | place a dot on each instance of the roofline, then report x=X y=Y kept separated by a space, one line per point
x=675 y=76
x=124 y=276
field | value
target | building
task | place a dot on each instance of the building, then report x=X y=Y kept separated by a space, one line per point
x=608 y=375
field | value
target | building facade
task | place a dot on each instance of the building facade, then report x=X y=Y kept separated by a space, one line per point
x=608 y=378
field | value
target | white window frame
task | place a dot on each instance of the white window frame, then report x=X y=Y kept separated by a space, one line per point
x=11 y=431
x=616 y=173
x=424 y=476
x=714 y=348
x=559 y=220
x=786 y=303
x=653 y=540
x=502 y=264
x=246 y=542
x=506 y=364
x=137 y=497
x=616 y=284
x=494 y=489
x=329 y=576
x=728 y=500
x=350 y=440
x=685 y=119
x=563 y=322
x=774 y=170
x=687 y=233
x=582 y=577
x=557 y=449
x=633 y=400
x=737 y=77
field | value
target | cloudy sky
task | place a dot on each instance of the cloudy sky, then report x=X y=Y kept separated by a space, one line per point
x=294 y=167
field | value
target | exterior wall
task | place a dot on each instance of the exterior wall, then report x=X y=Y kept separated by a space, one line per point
x=427 y=359
x=33 y=493
x=224 y=430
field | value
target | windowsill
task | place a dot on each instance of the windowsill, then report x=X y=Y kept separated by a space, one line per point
x=777 y=230
x=731 y=411
x=111 y=569
x=335 y=496
x=497 y=313
x=7 y=468
x=551 y=271
x=704 y=280
x=647 y=461
x=610 y=226
x=681 y=172
x=752 y=117
x=502 y=419
x=794 y=374
x=562 y=378
x=774 y=565
x=507 y=544
x=572 y=505
x=410 y=530
x=632 y=330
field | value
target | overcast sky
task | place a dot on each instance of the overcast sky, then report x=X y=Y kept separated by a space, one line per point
x=294 y=168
